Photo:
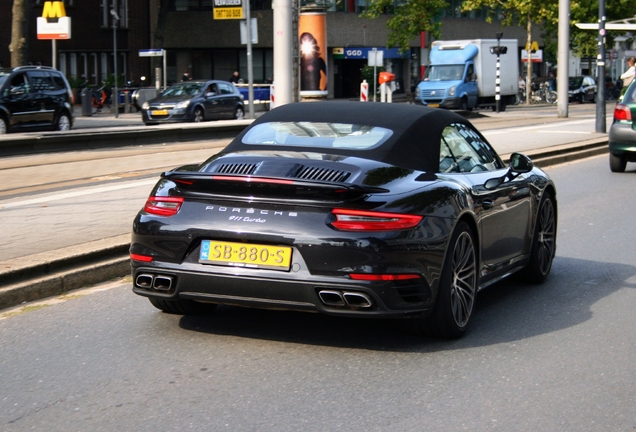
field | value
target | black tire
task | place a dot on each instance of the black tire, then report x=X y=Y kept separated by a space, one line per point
x=457 y=290
x=239 y=114
x=617 y=163
x=182 y=307
x=197 y=115
x=4 y=128
x=543 y=243
x=463 y=104
x=62 y=123
x=551 y=97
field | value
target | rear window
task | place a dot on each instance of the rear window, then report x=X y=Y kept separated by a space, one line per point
x=323 y=135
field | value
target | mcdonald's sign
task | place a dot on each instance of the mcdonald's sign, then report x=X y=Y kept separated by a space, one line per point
x=53 y=9
x=54 y=24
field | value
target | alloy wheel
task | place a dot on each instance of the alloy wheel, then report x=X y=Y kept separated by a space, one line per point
x=463 y=279
x=546 y=236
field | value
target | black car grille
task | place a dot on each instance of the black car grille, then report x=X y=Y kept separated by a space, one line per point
x=298 y=171
x=244 y=169
x=322 y=174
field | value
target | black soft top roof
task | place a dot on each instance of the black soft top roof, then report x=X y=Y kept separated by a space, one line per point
x=415 y=142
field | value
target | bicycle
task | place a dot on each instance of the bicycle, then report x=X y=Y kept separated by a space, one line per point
x=100 y=98
x=544 y=95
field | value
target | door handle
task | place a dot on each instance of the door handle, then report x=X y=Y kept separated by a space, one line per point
x=487 y=204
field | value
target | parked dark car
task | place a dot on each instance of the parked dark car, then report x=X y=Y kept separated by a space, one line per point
x=622 y=135
x=194 y=101
x=582 y=88
x=349 y=209
x=35 y=97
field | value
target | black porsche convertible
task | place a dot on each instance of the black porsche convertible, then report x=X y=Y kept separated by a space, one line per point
x=350 y=209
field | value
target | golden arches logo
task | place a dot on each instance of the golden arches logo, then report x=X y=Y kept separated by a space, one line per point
x=53 y=9
x=532 y=47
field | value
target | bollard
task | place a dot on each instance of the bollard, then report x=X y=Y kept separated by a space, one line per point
x=364 y=91
x=126 y=101
x=271 y=97
x=86 y=95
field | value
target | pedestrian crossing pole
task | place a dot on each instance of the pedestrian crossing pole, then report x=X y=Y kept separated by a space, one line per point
x=497 y=77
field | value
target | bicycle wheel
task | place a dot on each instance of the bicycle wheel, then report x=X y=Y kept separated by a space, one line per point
x=551 y=97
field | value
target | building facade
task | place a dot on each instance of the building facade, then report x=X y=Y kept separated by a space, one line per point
x=193 y=40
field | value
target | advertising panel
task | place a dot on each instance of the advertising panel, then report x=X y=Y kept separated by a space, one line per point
x=312 y=33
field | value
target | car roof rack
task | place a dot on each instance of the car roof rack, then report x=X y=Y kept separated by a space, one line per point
x=33 y=67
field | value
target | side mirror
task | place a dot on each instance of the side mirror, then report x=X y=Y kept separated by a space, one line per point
x=520 y=163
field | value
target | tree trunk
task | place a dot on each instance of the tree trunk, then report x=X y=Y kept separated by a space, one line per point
x=19 y=31
x=529 y=63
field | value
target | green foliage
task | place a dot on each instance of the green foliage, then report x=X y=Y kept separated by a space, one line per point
x=409 y=19
x=367 y=73
x=110 y=81
x=77 y=82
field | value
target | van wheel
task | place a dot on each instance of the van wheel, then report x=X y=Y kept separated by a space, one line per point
x=3 y=126
x=463 y=105
x=63 y=123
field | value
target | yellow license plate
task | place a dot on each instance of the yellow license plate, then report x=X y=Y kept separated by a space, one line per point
x=433 y=105
x=159 y=112
x=245 y=255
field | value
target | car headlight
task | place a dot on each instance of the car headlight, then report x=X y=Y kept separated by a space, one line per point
x=145 y=105
x=451 y=91
x=183 y=104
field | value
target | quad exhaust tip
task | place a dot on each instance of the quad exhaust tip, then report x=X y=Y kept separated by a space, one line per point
x=155 y=282
x=351 y=299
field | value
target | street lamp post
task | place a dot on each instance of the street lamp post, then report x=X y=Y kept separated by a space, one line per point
x=115 y=94
x=600 y=76
x=498 y=51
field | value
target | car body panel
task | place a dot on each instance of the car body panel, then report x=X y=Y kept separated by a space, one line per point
x=622 y=132
x=216 y=100
x=269 y=193
x=582 y=89
x=33 y=97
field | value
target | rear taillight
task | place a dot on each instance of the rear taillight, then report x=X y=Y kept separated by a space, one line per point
x=622 y=113
x=361 y=220
x=383 y=277
x=142 y=258
x=163 y=206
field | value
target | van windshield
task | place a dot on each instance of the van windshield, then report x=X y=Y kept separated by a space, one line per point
x=444 y=73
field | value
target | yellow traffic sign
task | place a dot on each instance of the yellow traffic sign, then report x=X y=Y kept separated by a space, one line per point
x=228 y=13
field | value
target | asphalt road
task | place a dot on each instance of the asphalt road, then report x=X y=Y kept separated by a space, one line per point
x=553 y=357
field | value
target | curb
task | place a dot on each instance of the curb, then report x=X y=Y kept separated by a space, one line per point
x=39 y=276
x=118 y=137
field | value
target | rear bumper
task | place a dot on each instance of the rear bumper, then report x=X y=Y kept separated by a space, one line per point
x=301 y=292
x=622 y=140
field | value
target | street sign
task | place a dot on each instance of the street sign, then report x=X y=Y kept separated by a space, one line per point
x=228 y=9
x=253 y=31
x=53 y=24
x=153 y=52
